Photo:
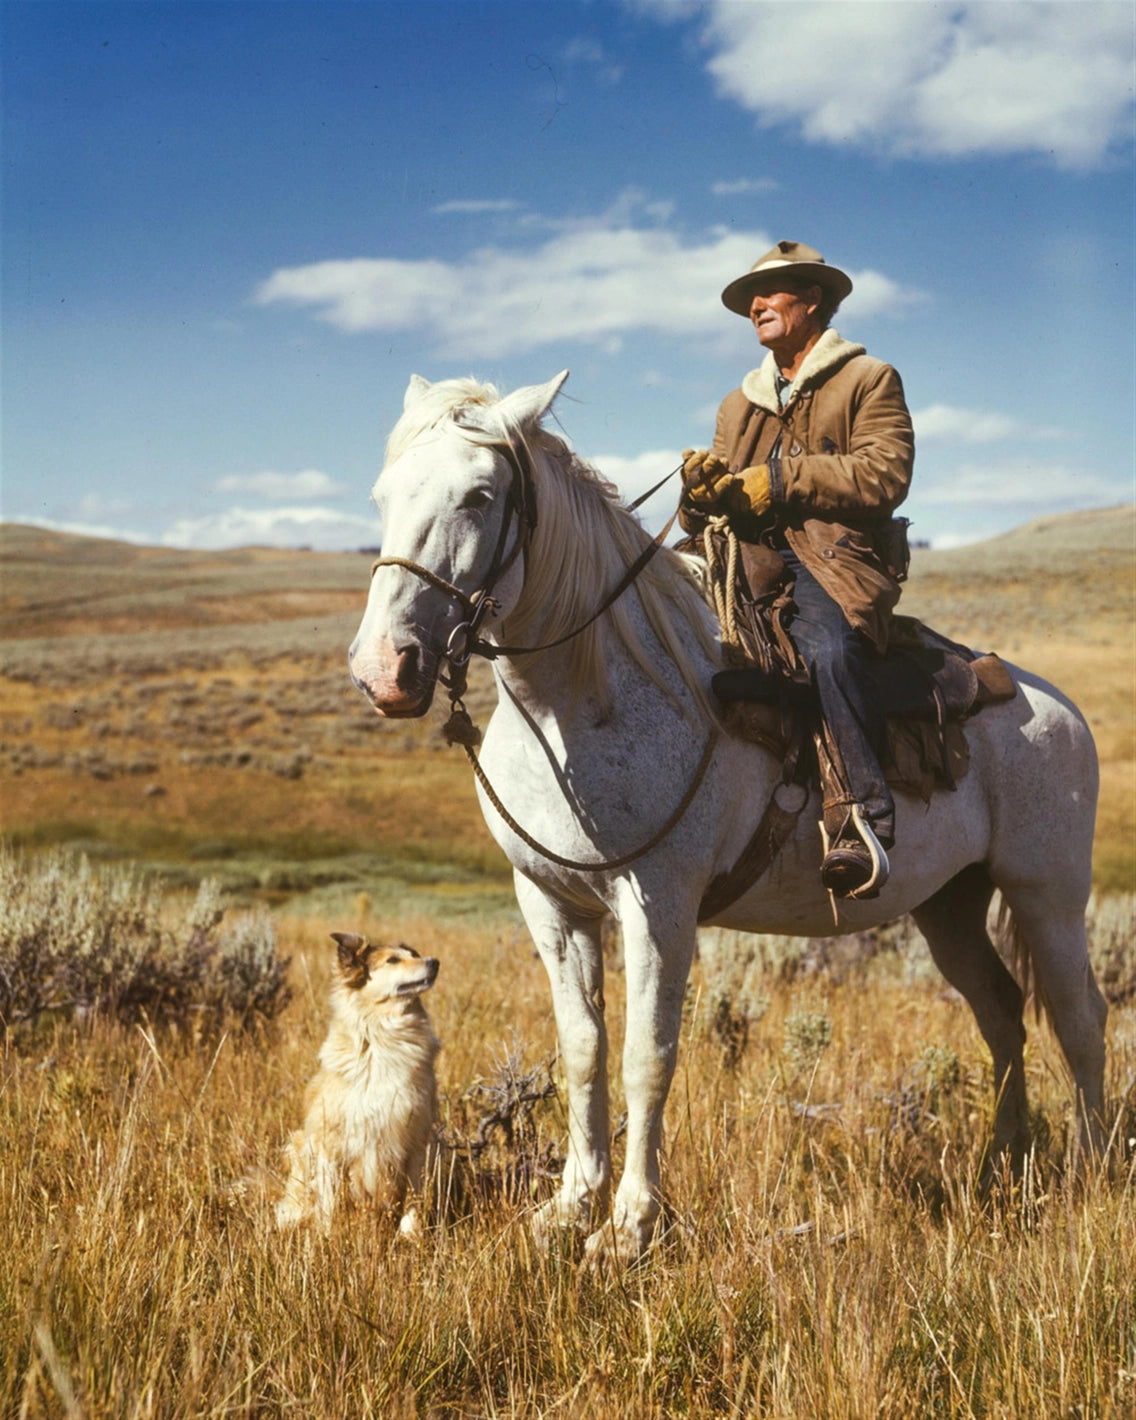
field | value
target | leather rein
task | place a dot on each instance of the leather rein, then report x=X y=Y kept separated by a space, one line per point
x=465 y=641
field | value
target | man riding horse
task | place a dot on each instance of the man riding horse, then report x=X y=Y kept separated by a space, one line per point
x=811 y=456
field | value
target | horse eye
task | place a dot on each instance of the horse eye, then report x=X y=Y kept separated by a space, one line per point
x=476 y=498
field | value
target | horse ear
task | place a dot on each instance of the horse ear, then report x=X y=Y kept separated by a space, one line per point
x=414 y=391
x=529 y=405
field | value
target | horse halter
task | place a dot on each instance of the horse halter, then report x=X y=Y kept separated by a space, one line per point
x=520 y=504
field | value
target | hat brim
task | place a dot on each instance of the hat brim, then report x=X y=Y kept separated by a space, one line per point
x=739 y=294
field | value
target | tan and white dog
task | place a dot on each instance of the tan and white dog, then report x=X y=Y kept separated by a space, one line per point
x=370 y=1109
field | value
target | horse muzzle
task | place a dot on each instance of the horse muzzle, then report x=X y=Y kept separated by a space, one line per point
x=398 y=681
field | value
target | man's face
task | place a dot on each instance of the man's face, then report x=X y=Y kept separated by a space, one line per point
x=785 y=319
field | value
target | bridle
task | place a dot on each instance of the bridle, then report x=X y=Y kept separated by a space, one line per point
x=464 y=641
x=781 y=813
x=520 y=504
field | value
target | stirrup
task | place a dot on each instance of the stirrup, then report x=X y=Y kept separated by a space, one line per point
x=878 y=864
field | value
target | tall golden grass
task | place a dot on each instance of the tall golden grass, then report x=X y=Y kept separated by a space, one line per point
x=827 y=1252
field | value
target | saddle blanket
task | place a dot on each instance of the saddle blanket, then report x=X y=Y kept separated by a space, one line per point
x=929 y=685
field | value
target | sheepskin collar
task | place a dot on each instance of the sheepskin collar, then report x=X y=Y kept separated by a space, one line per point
x=828 y=354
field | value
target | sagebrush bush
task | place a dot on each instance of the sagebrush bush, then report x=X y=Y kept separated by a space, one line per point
x=1112 y=944
x=739 y=967
x=80 y=940
x=808 y=1034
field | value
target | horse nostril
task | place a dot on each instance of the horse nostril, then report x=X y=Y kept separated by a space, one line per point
x=407 y=666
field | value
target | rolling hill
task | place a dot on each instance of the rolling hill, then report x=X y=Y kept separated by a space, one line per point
x=194 y=707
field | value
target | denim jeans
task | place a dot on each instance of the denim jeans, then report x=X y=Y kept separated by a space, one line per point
x=839 y=663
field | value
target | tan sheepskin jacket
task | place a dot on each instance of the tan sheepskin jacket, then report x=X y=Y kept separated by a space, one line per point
x=844 y=466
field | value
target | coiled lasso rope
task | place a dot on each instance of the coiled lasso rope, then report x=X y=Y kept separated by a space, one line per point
x=723 y=578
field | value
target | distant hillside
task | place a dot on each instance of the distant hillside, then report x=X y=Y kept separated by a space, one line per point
x=196 y=705
x=1072 y=575
x=1056 y=574
x=1108 y=530
x=57 y=584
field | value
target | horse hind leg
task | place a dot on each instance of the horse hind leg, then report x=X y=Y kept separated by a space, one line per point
x=954 y=923
x=1053 y=934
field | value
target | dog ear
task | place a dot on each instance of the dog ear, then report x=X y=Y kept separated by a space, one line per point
x=351 y=947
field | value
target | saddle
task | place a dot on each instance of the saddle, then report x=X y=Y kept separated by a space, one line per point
x=928 y=684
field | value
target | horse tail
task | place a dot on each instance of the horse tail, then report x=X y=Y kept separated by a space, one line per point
x=1015 y=951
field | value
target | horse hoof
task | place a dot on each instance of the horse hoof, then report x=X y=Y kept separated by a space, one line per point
x=614 y=1248
x=555 y=1226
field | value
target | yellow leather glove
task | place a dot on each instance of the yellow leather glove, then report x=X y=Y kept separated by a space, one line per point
x=745 y=492
x=702 y=471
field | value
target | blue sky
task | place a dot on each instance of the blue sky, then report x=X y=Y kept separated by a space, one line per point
x=231 y=231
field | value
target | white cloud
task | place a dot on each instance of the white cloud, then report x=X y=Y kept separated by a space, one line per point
x=744 y=187
x=947 y=423
x=633 y=476
x=591 y=281
x=84 y=529
x=324 y=528
x=929 y=79
x=475 y=206
x=1033 y=488
x=93 y=506
x=310 y=483
x=588 y=53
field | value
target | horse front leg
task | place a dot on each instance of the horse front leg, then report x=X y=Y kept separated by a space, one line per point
x=657 y=965
x=569 y=945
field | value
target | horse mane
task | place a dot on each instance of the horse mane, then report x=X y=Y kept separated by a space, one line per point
x=583 y=542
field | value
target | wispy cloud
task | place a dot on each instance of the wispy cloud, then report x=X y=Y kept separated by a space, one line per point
x=80 y=528
x=587 y=53
x=744 y=187
x=633 y=476
x=592 y=282
x=473 y=206
x=327 y=529
x=310 y=483
x=930 y=80
x=1030 y=487
x=947 y=423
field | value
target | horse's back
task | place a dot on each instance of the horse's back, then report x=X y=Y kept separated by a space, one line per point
x=1038 y=763
x=1039 y=733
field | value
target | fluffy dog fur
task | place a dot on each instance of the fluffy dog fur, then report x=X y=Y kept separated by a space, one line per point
x=370 y=1109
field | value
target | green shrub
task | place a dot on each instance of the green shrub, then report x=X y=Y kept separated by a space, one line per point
x=83 y=940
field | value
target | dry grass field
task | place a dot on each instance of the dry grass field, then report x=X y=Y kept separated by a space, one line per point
x=195 y=707
x=827 y=1254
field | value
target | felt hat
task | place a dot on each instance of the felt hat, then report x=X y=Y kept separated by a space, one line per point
x=785 y=259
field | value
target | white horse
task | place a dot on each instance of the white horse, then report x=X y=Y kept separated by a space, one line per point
x=597 y=742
